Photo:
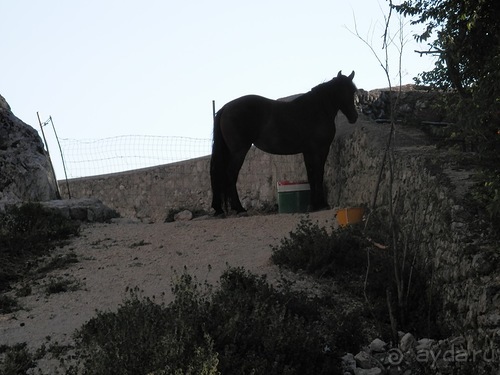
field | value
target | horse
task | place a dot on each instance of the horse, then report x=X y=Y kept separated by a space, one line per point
x=304 y=125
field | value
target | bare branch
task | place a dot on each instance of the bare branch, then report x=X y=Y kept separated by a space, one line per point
x=387 y=21
x=356 y=34
x=434 y=52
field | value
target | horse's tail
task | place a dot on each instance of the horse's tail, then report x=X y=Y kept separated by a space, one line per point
x=218 y=167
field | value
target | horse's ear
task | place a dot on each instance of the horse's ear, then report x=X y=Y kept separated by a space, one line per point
x=340 y=74
x=351 y=76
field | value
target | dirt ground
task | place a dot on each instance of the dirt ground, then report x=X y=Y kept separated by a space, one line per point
x=126 y=253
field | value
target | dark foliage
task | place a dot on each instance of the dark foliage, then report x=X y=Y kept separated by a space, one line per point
x=464 y=35
x=16 y=360
x=343 y=255
x=26 y=233
x=245 y=326
x=312 y=249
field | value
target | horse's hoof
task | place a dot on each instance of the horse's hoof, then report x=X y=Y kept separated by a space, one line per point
x=220 y=214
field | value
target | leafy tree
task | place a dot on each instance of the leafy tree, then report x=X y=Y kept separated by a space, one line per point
x=465 y=37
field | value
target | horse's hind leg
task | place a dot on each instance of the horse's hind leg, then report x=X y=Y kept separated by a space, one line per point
x=217 y=203
x=233 y=171
x=217 y=178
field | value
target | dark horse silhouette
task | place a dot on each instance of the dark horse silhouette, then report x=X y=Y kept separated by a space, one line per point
x=304 y=125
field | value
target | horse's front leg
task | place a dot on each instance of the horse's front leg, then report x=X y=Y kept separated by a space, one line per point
x=315 y=167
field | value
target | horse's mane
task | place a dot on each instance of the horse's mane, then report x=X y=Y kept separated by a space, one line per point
x=327 y=84
x=322 y=89
x=325 y=88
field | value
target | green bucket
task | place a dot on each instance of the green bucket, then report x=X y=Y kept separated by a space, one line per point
x=293 y=197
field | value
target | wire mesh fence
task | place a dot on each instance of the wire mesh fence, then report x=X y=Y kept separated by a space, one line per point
x=91 y=157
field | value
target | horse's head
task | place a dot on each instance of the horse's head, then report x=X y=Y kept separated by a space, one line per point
x=346 y=91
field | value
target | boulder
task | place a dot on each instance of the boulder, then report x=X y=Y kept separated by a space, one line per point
x=83 y=209
x=407 y=342
x=184 y=215
x=365 y=360
x=424 y=344
x=348 y=363
x=377 y=346
x=26 y=174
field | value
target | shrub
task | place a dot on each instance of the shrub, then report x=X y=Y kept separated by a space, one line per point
x=7 y=304
x=264 y=331
x=61 y=285
x=342 y=255
x=26 y=233
x=312 y=249
x=16 y=360
x=60 y=261
x=486 y=194
x=245 y=326
x=140 y=338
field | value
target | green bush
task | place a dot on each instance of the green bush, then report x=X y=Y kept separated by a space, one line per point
x=342 y=255
x=486 y=194
x=142 y=337
x=8 y=304
x=61 y=285
x=15 y=360
x=312 y=249
x=263 y=331
x=244 y=326
x=26 y=233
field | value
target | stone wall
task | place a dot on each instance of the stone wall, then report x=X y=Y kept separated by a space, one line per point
x=427 y=193
x=433 y=218
x=149 y=193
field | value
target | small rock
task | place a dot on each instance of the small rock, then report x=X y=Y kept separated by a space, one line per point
x=377 y=346
x=424 y=344
x=348 y=363
x=407 y=342
x=364 y=360
x=185 y=215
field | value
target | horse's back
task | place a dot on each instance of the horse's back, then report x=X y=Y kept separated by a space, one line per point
x=243 y=118
x=273 y=126
x=252 y=105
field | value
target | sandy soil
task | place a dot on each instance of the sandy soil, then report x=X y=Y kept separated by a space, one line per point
x=126 y=253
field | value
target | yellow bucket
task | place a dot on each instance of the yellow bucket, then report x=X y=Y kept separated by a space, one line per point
x=351 y=215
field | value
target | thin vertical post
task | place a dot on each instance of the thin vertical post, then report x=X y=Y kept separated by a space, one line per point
x=62 y=157
x=213 y=109
x=58 y=193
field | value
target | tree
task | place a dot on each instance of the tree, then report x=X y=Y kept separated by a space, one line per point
x=465 y=37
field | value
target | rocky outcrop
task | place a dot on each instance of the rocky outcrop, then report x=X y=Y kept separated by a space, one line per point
x=412 y=104
x=82 y=209
x=25 y=170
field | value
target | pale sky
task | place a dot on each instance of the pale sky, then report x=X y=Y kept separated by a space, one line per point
x=103 y=68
